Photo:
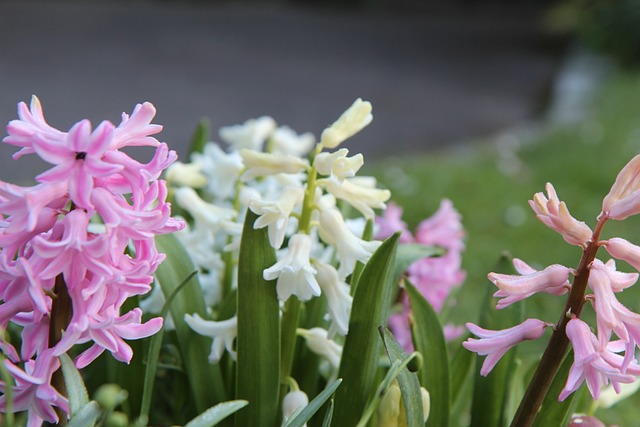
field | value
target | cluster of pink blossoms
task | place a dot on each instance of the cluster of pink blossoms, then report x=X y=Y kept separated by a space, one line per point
x=599 y=359
x=85 y=234
x=435 y=278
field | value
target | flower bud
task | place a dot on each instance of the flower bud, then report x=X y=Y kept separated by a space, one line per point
x=350 y=122
x=623 y=199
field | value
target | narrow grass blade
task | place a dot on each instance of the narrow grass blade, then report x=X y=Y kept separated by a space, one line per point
x=407 y=380
x=86 y=416
x=553 y=413
x=154 y=353
x=258 y=339
x=490 y=393
x=428 y=339
x=361 y=351
x=76 y=390
x=214 y=415
x=200 y=136
x=314 y=406
x=328 y=416
x=205 y=380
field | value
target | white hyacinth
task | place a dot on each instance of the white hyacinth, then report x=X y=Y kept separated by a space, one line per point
x=294 y=272
x=223 y=333
x=275 y=214
x=337 y=165
x=350 y=122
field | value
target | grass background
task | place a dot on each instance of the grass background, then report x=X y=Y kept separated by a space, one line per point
x=491 y=181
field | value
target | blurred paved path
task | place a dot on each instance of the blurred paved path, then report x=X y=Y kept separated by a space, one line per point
x=432 y=79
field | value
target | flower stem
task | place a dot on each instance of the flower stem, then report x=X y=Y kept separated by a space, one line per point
x=61 y=313
x=559 y=343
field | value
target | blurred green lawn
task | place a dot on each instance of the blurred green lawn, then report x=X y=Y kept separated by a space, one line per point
x=491 y=181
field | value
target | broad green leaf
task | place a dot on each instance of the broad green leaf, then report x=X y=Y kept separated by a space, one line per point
x=86 y=416
x=553 y=413
x=200 y=136
x=461 y=365
x=258 y=339
x=205 y=380
x=361 y=351
x=214 y=415
x=408 y=253
x=490 y=393
x=76 y=390
x=314 y=406
x=407 y=380
x=154 y=352
x=428 y=339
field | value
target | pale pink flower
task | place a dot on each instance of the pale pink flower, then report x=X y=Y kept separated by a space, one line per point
x=590 y=362
x=555 y=215
x=31 y=122
x=443 y=228
x=611 y=315
x=33 y=391
x=494 y=344
x=45 y=235
x=391 y=222
x=623 y=249
x=623 y=199
x=553 y=280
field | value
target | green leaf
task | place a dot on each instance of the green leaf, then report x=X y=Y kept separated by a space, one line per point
x=205 y=380
x=258 y=339
x=8 y=381
x=76 y=390
x=460 y=368
x=407 y=380
x=361 y=351
x=200 y=136
x=214 y=415
x=428 y=339
x=314 y=406
x=490 y=393
x=328 y=416
x=408 y=253
x=86 y=416
x=553 y=413
x=154 y=353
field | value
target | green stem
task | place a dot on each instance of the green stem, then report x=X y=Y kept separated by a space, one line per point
x=61 y=313
x=559 y=342
x=288 y=337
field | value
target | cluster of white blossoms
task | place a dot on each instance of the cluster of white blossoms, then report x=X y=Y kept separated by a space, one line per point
x=299 y=191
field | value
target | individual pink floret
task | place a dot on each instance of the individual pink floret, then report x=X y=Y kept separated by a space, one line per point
x=555 y=215
x=512 y=288
x=33 y=390
x=591 y=362
x=494 y=344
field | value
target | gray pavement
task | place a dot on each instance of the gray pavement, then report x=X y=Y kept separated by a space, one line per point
x=434 y=77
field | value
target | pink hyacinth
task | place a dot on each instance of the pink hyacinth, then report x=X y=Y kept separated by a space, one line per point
x=494 y=344
x=553 y=280
x=435 y=278
x=593 y=363
x=48 y=246
x=555 y=215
